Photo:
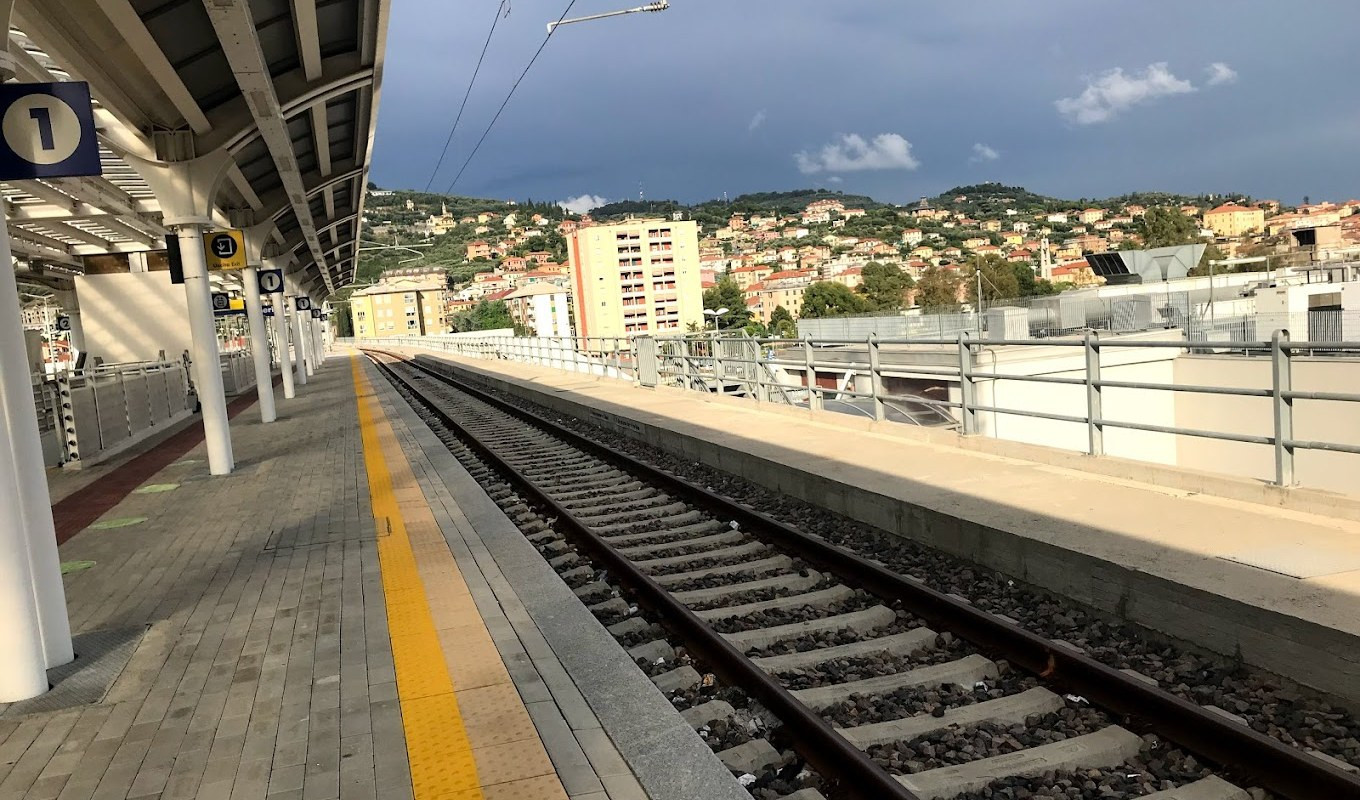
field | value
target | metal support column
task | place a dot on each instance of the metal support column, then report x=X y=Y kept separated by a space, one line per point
x=810 y=376
x=35 y=631
x=1282 y=405
x=280 y=302
x=876 y=379
x=299 y=343
x=967 y=389
x=1095 y=427
x=259 y=344
x=207 y=362
x=305 y=320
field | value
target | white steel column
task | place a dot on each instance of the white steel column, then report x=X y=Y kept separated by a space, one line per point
x=70 y=304
x=319 y=341
x=35 y=631
x=280 y=301
x=206 y=361
x=305 y=322
x=299 y=343
x=259 y=344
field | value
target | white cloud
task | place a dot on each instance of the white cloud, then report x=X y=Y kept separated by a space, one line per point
x=1220 y=73
x=851 y=153
x=835 y=179
x=1113 y=92
x=756 y=121
x=582 y=204
x=982 y=152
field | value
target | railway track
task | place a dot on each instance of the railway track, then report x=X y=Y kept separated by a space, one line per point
x=887 y=687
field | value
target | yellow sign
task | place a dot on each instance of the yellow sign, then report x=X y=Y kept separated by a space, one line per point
x=225 y=250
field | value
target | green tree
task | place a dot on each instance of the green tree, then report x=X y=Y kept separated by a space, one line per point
x=938 y=290
x=1030 y=285
x=1213 y=253
x=827 y=299
x=727 y=294
x=1165 y=227
x=782 y=324
x=485 y=316
x=998 y=279
x=885 y=285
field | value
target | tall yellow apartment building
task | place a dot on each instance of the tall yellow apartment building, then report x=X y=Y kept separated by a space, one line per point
x=411 y=302
x=640 y=276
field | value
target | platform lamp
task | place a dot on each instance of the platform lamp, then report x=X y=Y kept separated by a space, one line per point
x=716 y=315
x=662 y=5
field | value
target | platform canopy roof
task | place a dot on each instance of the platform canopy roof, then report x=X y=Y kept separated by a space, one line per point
x=288 y=87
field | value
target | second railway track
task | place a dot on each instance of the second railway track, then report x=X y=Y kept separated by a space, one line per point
x=886 y=686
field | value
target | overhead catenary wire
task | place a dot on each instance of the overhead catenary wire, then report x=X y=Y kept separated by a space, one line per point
x=496 y=19
x=506 y=102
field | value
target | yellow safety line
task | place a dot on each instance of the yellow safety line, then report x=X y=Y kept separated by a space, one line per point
x=437 y=744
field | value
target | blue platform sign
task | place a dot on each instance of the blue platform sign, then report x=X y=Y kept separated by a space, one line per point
x=302 y=303
x=47 y=131
x=270 y=281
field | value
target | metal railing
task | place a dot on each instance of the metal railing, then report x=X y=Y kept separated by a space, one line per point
x=87 y=412
x=612 y=357
x=853 y=375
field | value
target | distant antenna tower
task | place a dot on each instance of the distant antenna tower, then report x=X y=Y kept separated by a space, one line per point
x=640 y=197
x=724 y=197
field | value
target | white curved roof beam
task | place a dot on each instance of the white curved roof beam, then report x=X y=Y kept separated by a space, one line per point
x=241 y=45
x=59 y=205
x=119 y=120
x=28 y=250
x=309 y=39
x=130 y=26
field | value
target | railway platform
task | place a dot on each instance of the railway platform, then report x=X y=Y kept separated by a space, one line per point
x=1277 y=587
x=345 y=616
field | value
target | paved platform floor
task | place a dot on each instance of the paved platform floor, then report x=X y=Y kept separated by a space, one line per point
x=1300 y=565
x=301 y=629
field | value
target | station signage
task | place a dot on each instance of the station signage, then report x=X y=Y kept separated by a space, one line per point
x=224 y=250
x=47 y=131
x=270 y=281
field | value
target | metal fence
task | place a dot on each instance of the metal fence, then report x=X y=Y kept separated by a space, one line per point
x=1204 y=314
x=613 y=357
x=86 y=413
x=824 y=375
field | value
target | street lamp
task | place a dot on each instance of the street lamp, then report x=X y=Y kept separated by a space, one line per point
x=716 y=315
x=662 y=5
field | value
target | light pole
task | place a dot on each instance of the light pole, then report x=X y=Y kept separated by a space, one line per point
x=661 y=5
x=716 y=315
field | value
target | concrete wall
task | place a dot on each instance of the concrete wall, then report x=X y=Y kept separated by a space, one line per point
x=133 y=316
x=1320 y=420
x=1146 y=406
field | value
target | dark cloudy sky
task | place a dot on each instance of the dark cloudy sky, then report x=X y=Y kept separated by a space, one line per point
x=893 y=98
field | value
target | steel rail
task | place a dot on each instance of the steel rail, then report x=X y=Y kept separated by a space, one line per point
x=1264 y=761
x=832 y=754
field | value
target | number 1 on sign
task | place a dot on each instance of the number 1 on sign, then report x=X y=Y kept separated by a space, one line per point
x=43 y=117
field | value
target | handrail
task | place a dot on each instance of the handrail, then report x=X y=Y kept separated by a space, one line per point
x=759 y=368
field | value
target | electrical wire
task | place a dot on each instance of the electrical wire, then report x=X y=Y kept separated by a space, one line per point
x=506 y=102
x=468 y=93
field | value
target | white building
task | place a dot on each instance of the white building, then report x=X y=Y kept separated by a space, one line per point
x=542 y=308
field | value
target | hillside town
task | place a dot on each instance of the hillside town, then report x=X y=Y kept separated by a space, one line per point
x=929 y=252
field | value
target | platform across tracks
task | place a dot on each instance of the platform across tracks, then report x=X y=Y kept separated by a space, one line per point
x=641 y=537
x=1280 y=586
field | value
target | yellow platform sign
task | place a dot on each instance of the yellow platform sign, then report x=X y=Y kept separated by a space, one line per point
x=225 y=250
